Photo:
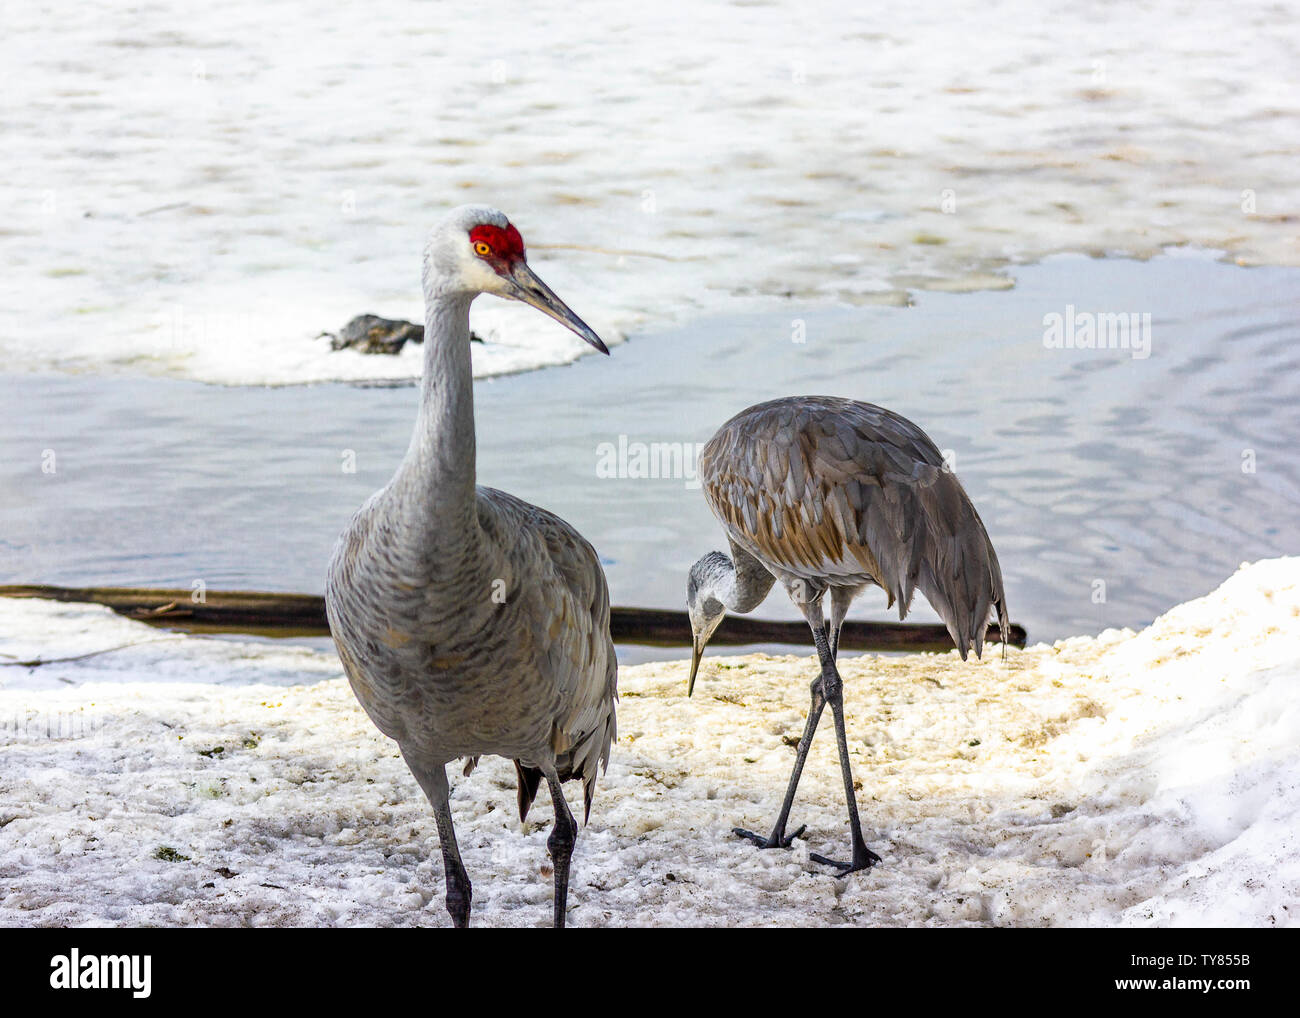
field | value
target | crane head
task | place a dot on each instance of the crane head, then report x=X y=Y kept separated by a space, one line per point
x=704 y=605
x=476 y=249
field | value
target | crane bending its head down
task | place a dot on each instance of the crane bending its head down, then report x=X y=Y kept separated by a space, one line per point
x=476 y=249
x=832 y=496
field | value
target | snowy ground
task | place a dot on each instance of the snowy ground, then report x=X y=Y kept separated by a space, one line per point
x=199 y=192
x=1138 y=779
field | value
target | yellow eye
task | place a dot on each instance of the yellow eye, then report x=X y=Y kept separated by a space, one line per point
x=481 y=248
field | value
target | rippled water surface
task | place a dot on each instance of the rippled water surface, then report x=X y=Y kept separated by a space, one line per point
x=1113 y=486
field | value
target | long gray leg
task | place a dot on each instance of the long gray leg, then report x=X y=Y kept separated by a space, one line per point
x=810 y=603
x=778 y=839
x=560 y=844
x=434 y=782
x=833 y=690
x=841 y=599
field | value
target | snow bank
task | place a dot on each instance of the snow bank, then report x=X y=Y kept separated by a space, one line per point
x=1138 y=779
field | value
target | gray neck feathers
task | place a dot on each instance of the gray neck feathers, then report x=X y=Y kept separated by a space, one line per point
x=740 y=585
x=436 y=480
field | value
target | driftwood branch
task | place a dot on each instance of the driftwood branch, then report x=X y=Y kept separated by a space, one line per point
x=268 y=613
x=37 y=662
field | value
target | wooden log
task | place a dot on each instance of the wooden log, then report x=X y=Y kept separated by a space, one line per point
x=657 y=628
x=267 y=613
x=263 y=613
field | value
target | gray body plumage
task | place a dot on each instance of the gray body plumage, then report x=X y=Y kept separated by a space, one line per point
x=469 y=622
x=500 y=648
x=829 y=493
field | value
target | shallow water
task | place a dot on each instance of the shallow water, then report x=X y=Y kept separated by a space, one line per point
x=1089 y=467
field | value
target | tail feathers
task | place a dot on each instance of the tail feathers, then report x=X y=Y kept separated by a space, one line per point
x=583 y=765
x=959 y=573
x=967 y=623
x=529 y=780
x=588 y=756
x=581 y=761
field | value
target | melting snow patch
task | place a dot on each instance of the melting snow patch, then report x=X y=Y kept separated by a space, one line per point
x=1147 y=778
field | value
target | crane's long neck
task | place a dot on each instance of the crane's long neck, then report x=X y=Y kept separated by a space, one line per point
x=437 y=475
x=739 y=583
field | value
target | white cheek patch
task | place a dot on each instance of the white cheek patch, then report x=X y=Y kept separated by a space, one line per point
x=479 y=273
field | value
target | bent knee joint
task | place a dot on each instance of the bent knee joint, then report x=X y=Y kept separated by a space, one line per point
x=560 y=843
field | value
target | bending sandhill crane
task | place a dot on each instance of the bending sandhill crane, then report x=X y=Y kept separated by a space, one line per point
x=833 y=495
x=468 y=621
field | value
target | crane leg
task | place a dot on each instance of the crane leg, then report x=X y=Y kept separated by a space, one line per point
x=812 y=609
x=833 y=690
x=434 y=782
x=841 y=601
x=778 y=838
x=560 y=845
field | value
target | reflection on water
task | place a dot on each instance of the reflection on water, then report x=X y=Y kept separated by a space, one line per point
x=1113 y=486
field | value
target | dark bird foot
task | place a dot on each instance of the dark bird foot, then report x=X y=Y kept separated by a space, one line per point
x=863 y=859
x=769 y=842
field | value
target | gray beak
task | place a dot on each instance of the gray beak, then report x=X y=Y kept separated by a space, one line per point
x=531 y=290
x=697 y=652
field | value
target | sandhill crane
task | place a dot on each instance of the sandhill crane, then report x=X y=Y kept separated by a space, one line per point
x=468 y=621
x=833 y=495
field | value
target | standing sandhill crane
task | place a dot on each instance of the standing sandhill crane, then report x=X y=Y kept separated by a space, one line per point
x=831 y=494
x=468 y=621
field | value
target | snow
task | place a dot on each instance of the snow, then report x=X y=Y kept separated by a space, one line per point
x=199 y=193
x=1145 y=779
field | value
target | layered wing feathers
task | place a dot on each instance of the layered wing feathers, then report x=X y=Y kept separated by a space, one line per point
x=570 y=625
x=833 y=489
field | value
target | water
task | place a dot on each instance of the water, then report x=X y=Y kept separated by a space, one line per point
x=1112 y=485
x=198 y=192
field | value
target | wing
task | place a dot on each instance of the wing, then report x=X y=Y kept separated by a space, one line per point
x=832 y=489
x=570 y=622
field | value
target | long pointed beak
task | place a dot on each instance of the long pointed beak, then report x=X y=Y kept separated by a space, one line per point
x=531 y=290
x=697 y=652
